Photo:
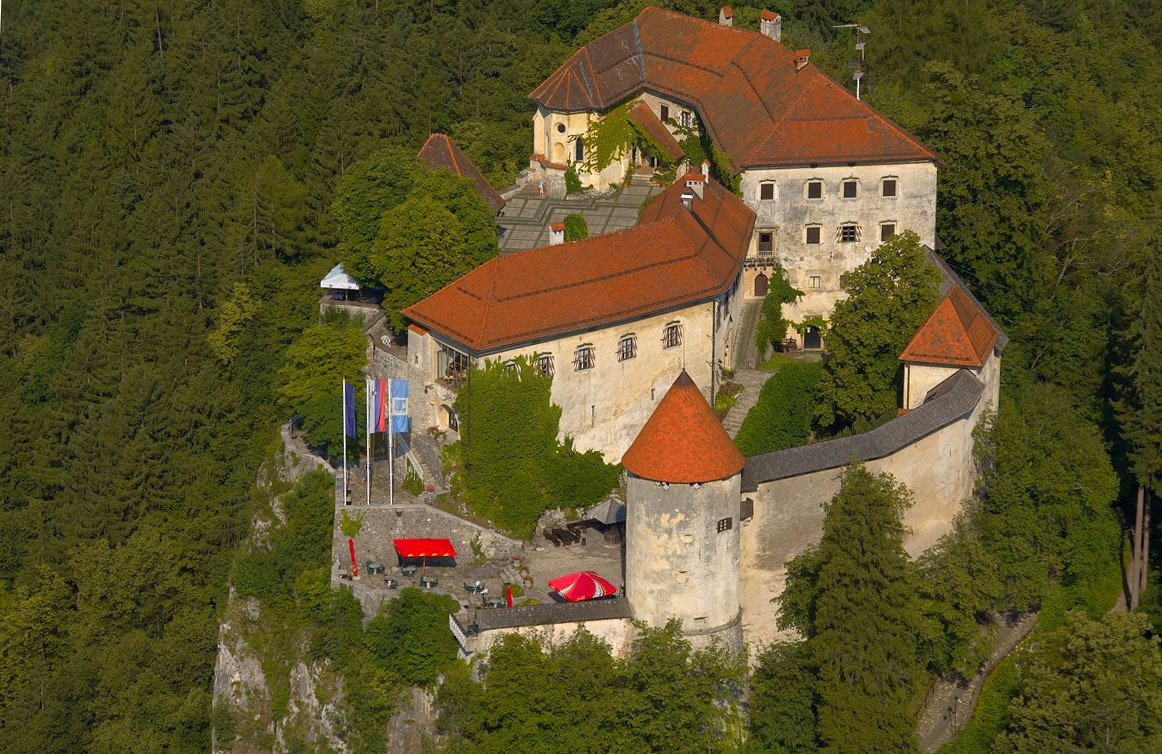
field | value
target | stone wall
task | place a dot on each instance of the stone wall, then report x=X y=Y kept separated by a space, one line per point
x=929 y=449
x=618 y=633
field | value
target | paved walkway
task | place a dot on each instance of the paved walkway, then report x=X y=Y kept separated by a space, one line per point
x=752 y=382
x=748 y=320
x=526 y=218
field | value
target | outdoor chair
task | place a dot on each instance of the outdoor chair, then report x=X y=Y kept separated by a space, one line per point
x=567 y=537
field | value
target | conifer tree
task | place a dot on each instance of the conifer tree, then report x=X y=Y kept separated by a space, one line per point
x=865 y=617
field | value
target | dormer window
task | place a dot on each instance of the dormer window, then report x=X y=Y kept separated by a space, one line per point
x=850 y=188
x=815 y=189
x=766 y=191
x=888 y=188
x=626 y=347
x=672 y=335
x=584 y=358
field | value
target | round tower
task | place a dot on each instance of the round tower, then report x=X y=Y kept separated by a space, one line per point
x=682 y=508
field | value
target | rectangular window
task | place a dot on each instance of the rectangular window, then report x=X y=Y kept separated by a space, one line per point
x=814 y=282
x=451 y=366
x=580 y=151
x=725 y=524
x=848 y=233
x=850 y=189
x=766 y=191
x=812 y=234
x=672 y=335
x=814 y=189
x=544 y=365
x=665 y=111
x=686 y=119
x=746 y=509
x=583 y=358
x=627 y=347
x=887 y=230
x=889 y=187
x=766 y=243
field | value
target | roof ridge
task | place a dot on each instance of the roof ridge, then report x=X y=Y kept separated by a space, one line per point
x=489 y=299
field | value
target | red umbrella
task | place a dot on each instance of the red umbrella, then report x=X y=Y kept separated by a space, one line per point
x=581 y=586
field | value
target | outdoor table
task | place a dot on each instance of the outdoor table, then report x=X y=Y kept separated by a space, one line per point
x=427 y=583
x=391 y=583
x=408 y=570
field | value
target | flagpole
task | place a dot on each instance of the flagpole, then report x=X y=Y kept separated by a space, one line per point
x=390 y=458
x=369 y=442
x=345 y=487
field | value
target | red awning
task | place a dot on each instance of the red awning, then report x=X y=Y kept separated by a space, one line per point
x=424 y=548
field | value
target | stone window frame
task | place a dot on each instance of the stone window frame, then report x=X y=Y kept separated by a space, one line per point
x=849 y=182
x=814 y=282
x=763 y=185
x=543 y=364
x=807 y=189
x=663 y=113
x=560 y=128
x=895 y=181
x=884 y=226
x=759 y=250
x=686 y=118
x=627 y=347
x=584 y=358
x=578 y=150
x=672 y=335
x=818 y=234
x=844 y=236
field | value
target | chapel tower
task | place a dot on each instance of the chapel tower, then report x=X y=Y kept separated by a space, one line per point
x=682 y=511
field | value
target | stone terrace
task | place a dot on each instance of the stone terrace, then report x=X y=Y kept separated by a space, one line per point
x=526 y=218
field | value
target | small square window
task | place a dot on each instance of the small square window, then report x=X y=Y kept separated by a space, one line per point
x=672 y=335
x=544 y=365
x=766 y=243
x=814 y=189
x=812 y=234
x=850 y=189
x=766 y=191
x=887 y=230
x=814 y=282
x=583 y=358
x=665 y=112
x=627 y=348
x=848 y=233
x=725 y=524
x=889 y=187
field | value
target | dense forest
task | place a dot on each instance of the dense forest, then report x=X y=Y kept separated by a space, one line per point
x=168 y=186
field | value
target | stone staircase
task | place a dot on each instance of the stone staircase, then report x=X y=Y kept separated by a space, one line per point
x=752 y=382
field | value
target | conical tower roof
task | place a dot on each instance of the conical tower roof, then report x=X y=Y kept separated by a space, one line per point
x=683 y=442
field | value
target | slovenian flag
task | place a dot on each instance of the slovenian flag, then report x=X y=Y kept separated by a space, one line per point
x=379 y=405
x=349 y=409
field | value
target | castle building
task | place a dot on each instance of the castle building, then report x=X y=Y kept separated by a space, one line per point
x=827 y=176
x=611 y=318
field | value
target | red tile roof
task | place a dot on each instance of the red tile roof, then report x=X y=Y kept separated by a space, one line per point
x=745 y=86
x=683 y=442
x=673 y=257
x=642 y=115
x=439 y=151
x=957 y=333
x=768 y=15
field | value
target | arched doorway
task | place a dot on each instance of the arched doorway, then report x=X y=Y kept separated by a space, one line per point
x=812 y=341
x=760 y=285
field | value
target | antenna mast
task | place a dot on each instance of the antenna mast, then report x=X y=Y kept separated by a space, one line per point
x=860 y=30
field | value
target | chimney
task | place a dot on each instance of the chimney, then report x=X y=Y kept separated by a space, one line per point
x=802 y=58
x=688 y=200
x=556 y=234
x=726 y=16
x=694 y=183
x=771 y=25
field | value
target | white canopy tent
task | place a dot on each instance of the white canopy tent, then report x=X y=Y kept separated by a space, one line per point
x=338 y=279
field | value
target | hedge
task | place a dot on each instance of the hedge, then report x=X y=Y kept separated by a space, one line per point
x=782 y=417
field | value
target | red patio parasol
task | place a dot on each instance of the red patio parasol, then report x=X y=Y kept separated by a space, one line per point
x=581 y=586
x=424 y=548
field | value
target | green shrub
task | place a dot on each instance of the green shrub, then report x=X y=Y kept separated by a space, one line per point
x=782 y=417
x=351 y=526
x=576 y=228
x=410 y=637
x=572 y=181
x=413 y=483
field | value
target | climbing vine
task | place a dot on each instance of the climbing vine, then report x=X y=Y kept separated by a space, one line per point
x=611 y=137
